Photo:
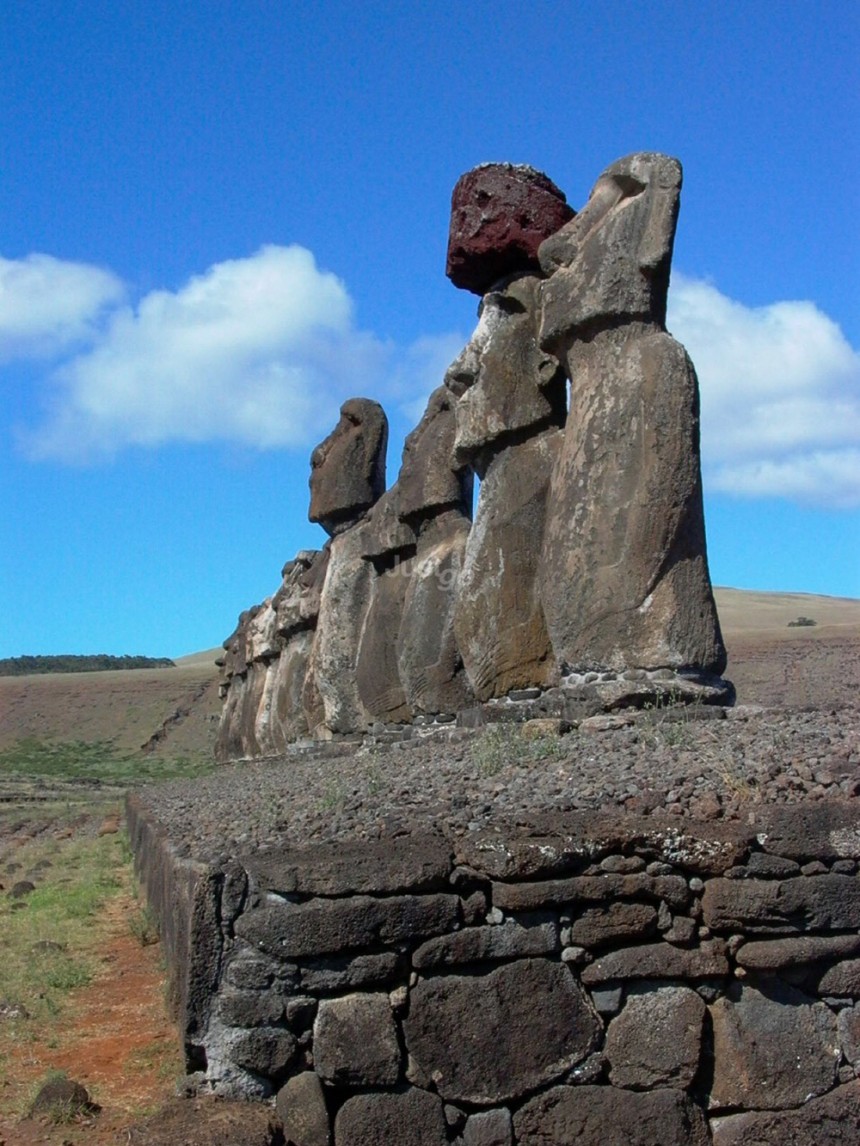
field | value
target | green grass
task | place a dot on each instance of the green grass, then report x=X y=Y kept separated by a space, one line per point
x=94 y=763
x=503 y=743
x=46 y=946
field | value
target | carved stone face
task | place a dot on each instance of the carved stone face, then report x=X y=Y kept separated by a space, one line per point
x=504 y=382
x=348 y=467
x=429 y=479
x=612 y=261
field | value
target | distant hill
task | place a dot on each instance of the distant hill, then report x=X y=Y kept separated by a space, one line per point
x=749 y=611
x=175 y=711
x=70 y=662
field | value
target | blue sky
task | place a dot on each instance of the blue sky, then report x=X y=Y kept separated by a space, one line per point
x=218 y=221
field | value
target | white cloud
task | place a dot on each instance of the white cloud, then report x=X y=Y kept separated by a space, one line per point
x=780 y=391
x=259 y=350
x=47 y=305
x=262 y=351
x=421 y=368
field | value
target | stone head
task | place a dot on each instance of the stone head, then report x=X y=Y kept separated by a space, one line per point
x=503 y=381
x=348 y=467
x=613 y=260
x=430 y=480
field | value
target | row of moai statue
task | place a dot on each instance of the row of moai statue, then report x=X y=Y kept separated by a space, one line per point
x=585 y=567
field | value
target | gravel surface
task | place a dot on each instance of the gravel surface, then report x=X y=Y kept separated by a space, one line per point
x=659 y=764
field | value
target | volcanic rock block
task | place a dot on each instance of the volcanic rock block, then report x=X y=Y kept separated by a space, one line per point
x=490 y=1038
x=348 y=467
x=625 y=580
x=656 y=1040
x=319 y=927
x=355 y=1042
x=500 y=214
x=607 y=1116
x=411 y=1119
x=833 y=1120
x=300 y=1104
x=773 y=1048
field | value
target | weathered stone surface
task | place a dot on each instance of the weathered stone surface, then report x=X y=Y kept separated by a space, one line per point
x=341 y=973
x=529 y=935
x=615 y=921
x=377 y=671
x=348 y=467
x=634 y=591
x=555 y=843
x=842 y=980
x=249 y=1008
x=288 y=719
x=848 y=1028
x=249 y=973
x=500 y=214
x=613 y=260
x=659 y=961
x=268 y=1051
x=773 y=1048
x=434 y=497
x=333 y=658
x=765 y=866
x=430 y=478
x=825 y=903
x=504 y=383
x=297 y=601
x=498 y=618
x=826 y=830
x=355 y=1041
x=512 y=401
x=604 y=888
x=776 y=954
x=606 y=1116
x=430 y=665
x=414 y=1118
x=417 y=862
x=656 y=1040
x=300 y=1104
x=320 y=927
x=833 y=1120
x=489 y=1128
x=489 y=1038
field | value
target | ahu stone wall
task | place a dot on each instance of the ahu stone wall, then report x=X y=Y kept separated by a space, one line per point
x=583 y=978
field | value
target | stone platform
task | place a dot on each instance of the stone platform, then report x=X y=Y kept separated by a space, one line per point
x=578 y=977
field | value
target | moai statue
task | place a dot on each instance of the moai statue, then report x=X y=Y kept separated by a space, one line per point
x=509 y=429
x=347 y=478
x=624 y=583
x=510 y=413
x=388 y=545
x=232 y=742
x=296 y=605
x=434 y=498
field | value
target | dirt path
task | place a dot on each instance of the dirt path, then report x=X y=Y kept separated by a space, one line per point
x=114 y=1037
